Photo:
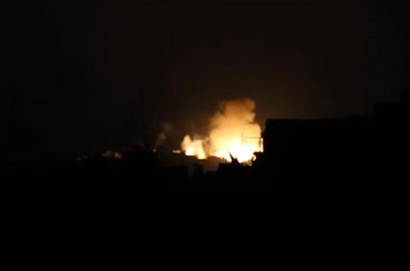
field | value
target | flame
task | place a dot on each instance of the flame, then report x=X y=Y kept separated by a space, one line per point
x=233 y=131
x=193 y=147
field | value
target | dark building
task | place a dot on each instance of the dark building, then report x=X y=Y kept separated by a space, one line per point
x=331 y=147
x=323 y=145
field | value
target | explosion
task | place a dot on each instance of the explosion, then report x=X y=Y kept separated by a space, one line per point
x=194 y=147
x=232 y=132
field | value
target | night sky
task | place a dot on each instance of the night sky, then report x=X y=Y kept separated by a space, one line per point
x=72 y=75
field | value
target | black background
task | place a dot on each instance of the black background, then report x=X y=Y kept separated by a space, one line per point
x=72 y=74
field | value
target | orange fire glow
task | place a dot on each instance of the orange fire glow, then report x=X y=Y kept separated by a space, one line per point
x=233 y=131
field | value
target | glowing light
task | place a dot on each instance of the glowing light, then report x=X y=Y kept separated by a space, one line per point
x=233 y=131
x=193 y=147
x=112 y=155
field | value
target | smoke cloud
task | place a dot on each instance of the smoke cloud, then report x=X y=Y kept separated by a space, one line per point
x=232 y=131
x=166 y=128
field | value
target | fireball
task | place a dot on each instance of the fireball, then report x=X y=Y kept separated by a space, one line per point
x=233 y=132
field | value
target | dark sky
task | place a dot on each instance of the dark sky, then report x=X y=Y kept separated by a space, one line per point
x=71 y=74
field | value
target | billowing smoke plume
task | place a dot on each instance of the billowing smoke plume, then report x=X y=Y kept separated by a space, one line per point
x=166 y=128
x=233 y=131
